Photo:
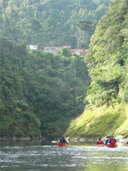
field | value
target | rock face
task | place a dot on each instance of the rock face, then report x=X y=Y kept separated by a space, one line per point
x=121 y=141
x=21 y=139
x=84 y=140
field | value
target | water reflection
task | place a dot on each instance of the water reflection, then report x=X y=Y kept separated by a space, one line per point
x=106 y=167
x=35 y=157
x=105 y=159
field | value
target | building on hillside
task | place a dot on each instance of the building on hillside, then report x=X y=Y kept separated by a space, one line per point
x=67 y=47
x=56 y=49
x=52 y=49
x=32 y=47
x=81 y=52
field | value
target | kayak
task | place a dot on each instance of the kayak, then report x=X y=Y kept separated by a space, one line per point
x=61 y=144
x=100 y=145
x=111 y=145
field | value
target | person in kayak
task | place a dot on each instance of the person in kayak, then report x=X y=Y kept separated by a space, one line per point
x=112 y=140
x=107 y=141
x=100 y=141
x=62 y=140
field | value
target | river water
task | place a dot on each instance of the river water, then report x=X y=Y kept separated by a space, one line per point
x=69 y=158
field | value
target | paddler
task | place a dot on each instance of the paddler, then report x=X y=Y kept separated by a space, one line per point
x=100 y=141
x=62 y=140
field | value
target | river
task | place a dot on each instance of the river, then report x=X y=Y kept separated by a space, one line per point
x=42 y=157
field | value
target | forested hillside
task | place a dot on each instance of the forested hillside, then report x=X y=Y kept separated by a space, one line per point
x=108 y=67
x=50 y=22
x=39 y=92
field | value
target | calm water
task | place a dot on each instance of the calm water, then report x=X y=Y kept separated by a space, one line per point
x=69 y=158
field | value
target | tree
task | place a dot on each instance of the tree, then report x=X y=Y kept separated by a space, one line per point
x=106 y=59
x=84 y=31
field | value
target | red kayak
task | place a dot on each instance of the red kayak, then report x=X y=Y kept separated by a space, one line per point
x=61 y=144
x=111 y=145
x=100 y=145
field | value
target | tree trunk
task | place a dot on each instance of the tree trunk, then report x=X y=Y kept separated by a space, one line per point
x=116 y=90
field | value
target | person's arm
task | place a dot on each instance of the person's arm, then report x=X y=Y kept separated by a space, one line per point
x=65 y=140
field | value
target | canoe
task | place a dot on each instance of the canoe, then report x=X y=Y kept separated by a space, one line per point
x=61 y=144
x=111 y=145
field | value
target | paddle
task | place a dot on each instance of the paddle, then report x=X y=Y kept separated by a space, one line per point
x=54 y=142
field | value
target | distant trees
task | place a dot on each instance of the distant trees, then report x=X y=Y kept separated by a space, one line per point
x=49 y=22
x=64 y=52
x=84 y=31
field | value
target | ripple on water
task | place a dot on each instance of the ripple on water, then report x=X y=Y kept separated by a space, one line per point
x=53 y=157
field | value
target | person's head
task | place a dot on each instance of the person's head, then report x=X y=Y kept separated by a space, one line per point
x=99 y=138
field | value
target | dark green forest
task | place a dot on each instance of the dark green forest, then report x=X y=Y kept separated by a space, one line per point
x=51 y=22
x=39 y=92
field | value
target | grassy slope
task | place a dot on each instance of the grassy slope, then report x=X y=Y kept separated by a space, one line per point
x=100 y=122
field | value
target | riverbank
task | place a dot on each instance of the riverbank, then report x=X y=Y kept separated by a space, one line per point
x=100 y=122
x=120 y=140
x=21 y=139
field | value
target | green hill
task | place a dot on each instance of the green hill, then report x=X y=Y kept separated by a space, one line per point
x=49 y=22
x=107 y=61
x=39 y=92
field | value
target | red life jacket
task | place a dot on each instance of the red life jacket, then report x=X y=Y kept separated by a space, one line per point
x=112 y=141
x=100 y=142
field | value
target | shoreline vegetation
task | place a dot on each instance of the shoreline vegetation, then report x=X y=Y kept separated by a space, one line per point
x=100 y=122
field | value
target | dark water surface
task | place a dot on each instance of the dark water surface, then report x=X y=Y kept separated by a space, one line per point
x=69 y=158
